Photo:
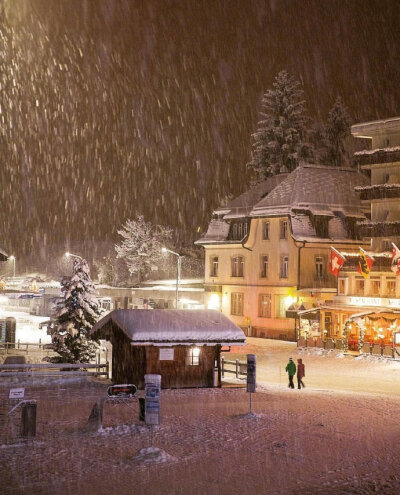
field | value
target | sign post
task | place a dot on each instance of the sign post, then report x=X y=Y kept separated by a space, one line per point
x=251 y=375
x=152 y=401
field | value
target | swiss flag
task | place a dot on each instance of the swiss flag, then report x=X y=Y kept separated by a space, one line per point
x=336 y=261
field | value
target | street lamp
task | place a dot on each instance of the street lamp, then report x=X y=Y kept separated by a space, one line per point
x=12 y=258
x=178 y=273
x=67 y=254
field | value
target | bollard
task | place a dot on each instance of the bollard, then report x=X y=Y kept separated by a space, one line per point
x=142 y=408
x=28 y=423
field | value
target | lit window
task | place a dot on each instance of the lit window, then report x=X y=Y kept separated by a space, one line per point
x=359 y=289
x=375 y=287
x=265 y=231
x=193 y=356
x=319 y=267
x=391 y=287
x=284 y=267
x=237 y=303
x=264 y=266
x=342 y=286
x=214 y=266
x=237 y=266
x=264 y=306
x=284 y=229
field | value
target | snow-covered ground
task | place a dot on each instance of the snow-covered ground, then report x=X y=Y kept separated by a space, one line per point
x=338 y=435
x=27 y=327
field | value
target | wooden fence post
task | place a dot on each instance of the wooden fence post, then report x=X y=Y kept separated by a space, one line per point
x=237 y=368
x=28 y=423
x=222 y=366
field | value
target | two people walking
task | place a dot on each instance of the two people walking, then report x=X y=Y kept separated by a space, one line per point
x=291 y=371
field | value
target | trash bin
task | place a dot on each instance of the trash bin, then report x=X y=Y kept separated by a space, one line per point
x=142 y=408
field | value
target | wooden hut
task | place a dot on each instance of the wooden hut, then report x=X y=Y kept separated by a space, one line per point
x=183 y=346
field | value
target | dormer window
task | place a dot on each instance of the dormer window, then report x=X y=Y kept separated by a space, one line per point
x=239 y=230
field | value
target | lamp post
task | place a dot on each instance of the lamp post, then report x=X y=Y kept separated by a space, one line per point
x=12 y=258
x=178 y=273
x=67 y=254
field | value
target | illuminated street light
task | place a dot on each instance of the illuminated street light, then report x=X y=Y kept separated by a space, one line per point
x=178 y=273
x=12 y=258
x=67 y=254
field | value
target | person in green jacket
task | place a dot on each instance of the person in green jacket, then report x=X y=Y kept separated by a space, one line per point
x=291 y=370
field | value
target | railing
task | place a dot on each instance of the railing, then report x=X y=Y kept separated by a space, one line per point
x=24 y=346
x=53 y=369
x=240 y=368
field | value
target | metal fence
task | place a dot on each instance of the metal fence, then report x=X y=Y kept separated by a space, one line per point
x=54 y=369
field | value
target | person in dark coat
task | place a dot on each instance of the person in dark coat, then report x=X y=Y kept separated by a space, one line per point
x=301 y=373
x=291 y=371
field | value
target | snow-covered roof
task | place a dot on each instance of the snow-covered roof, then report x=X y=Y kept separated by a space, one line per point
x=369 y=129
x=242 y=205
x=173 y=327
x=321 y=190
x=310 y=191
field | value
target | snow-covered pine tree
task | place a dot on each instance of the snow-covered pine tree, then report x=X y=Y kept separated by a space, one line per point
x=75 y=314
x=141 y=245
x=281 y=138
x=336 y=130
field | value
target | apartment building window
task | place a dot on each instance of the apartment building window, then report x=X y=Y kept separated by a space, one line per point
x=237 y=303
x=284 y=271
x=214 y=266
x=375 y=287
x=284 y=229
x=264 y=266
x=319 y=267
x=342 y=286
x=237 y=266
x=390 y=288
x=359 y=286
x=192 y=356
x=265 y=231
x=264 y=306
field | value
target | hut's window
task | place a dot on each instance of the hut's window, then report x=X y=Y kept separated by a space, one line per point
x=214 y=266
x=237 y=266
x=193 y=356
x=391 y=287
x=264 y=266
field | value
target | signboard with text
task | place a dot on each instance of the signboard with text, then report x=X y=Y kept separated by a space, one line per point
x=152 y=399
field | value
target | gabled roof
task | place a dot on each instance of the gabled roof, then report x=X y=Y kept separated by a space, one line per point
x=173 y=327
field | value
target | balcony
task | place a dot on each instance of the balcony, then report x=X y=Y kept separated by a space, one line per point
x=372 y=157
x=378 y=191
x=379 y=229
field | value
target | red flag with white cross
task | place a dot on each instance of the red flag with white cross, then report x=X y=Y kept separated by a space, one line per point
x=336 y=261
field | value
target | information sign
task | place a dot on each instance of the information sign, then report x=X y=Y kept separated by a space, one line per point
x=123 y=390
x=152 y=396
x=16 y=393
x=167 y=354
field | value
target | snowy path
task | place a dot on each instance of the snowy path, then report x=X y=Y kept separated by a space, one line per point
x=324 y=439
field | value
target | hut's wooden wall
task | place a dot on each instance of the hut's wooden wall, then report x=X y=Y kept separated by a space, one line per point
x=129 y=362
x=176 y=373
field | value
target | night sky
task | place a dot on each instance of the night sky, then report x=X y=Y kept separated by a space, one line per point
x=113 y=108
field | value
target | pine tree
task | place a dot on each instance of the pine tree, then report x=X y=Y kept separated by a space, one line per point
x=336 y=130
x=75 y=314
x=281 y=139
x=141 y=245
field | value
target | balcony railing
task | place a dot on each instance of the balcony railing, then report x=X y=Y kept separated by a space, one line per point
x=379 y=229
x=378 y=191
x=373 y=157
